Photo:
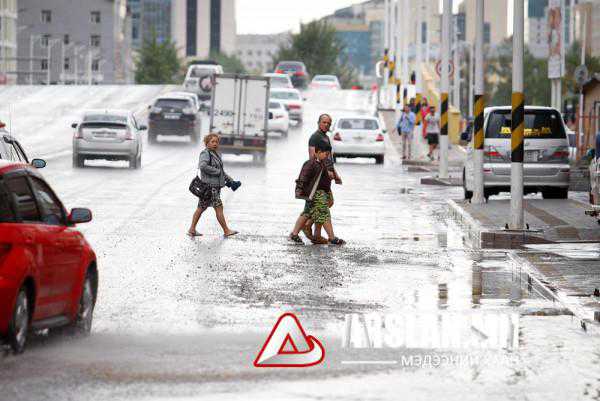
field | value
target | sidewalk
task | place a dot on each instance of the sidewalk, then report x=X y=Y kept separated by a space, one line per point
x=419 y=163
x=549 y=220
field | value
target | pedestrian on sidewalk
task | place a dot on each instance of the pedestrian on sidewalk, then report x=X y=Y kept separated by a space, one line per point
x=405 y=128
x=424 y=114
x=314 y=186
x=212 y=179
x=433 y=132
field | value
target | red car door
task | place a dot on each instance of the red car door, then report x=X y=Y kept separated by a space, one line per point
x=66 y=241
x=29 y=235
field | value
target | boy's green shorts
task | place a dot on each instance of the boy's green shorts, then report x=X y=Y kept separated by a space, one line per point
x=319 y=211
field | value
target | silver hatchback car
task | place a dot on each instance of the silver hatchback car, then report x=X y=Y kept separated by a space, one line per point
x=108 y=135
x=546 y=166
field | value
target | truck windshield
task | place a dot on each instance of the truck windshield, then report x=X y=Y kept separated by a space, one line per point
x=539 y=124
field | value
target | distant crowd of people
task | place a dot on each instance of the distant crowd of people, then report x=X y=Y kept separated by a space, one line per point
x=430 y=123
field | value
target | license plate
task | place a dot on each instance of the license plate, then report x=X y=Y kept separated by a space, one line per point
x=238 y=142
x=104 y=134
x=359 y=138
x=531 y=156
x=172 y=116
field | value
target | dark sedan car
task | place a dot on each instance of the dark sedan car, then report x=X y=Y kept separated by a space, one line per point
x=297 y=72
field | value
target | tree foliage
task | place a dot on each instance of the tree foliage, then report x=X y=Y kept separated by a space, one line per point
x=536 y=83
x=230 y=64
x=318 y=46
x=157 y=63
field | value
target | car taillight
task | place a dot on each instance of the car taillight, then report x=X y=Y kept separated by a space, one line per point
x=379 y=138
x=337 y=137
x=294 y=106
x=299 y=73
x=492 y=154
x=4 y=251
x=129 y=134
x=560 y=153
x=279 y=72
x=79 y=133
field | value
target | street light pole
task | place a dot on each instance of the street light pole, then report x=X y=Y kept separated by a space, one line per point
x=479 y=105
x=418 y=75
x=32 y=40
x=405 y=19
x=386 y=49
x=443 y=171
x=51 y=43
x=75 y=54
x=517 y=119
x=457 y=54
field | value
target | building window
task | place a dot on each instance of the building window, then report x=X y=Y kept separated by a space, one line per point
x=66 y=39
x=249 y=52
x=67 y=63
x=259 y=52
x=95 y=40
x=95 y=17
x=215 y=25
x=191 y=21
x=46 y=16
x=44 y=65
x=96 y=65
x=45 y=39
x=134 y=33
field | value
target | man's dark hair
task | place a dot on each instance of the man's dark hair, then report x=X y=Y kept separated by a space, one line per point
x=323 y=147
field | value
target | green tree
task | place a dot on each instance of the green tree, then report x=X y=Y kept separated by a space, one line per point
x=536 y=83
x=157 y=63
x=318 y=46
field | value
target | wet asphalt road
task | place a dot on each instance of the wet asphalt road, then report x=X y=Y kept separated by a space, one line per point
x=184 y=318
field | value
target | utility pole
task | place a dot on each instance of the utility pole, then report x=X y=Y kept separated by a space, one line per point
x=51 y=43
x=426 y=24
x=443 y=170
x=471 y=78
x=398 y=52
x=581 y=97
x=386 y=49
x=32 y=40
x=418 y=71
x=405 y=18
x=479 y=104
x=517 y=119
x=456 y=61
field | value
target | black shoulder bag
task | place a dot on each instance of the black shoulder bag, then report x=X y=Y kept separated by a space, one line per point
x=198 y=187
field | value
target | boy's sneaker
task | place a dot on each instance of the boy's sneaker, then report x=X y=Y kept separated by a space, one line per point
x=296 y=238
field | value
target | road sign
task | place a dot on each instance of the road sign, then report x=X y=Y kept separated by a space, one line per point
x=581 y=74
x=438 y=68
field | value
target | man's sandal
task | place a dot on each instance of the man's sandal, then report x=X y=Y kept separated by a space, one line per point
x=337 y=241
x=319 y=241
x=295 y=238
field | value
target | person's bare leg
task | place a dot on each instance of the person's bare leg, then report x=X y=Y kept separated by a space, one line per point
x=195 y=219
x=317 y=233
x=300 y=222
x=328 y=226
x=222 y=222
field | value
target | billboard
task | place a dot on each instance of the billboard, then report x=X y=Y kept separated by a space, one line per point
x=556 y=48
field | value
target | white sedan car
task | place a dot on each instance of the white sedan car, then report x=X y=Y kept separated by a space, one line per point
x=325 y=82
x=292 y=101
x=108 y=135
x=279 y=118
x=279 y=80
x=358 y=136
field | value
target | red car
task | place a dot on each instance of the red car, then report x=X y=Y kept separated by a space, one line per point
x=48 y=271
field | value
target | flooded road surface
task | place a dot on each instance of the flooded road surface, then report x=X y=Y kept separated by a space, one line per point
x=181 y=318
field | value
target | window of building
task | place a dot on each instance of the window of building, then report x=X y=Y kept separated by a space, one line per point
x=96 y=65
x=249 y=52
x=95 y=40
x=191 y=27
x=66 y=39
x=44 y=65
x=67 y=63
x=45 y=40
x=95 y=17
x=259 y=52
x=134 y=32
x=46 y=16
x=215 y=25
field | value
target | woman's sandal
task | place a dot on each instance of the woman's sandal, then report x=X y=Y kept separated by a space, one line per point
x=337 y=241
x=231 y=234
x=193 y=234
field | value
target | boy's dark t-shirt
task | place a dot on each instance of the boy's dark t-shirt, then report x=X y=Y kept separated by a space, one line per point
x=308 y=175
x=320 y=137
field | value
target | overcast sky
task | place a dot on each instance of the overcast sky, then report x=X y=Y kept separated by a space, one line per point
x=274 y=16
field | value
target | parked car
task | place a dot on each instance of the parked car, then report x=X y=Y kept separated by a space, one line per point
x=296 y=70
x=108 y=135
x=279 y=80
x=358 y=136
x=48 y=271
x=11 y=149
x=546 y=166
x=173 y=115
x=325 y=82
x=279 y=118
x=292 y=101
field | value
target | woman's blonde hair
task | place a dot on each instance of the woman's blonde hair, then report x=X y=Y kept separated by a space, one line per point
x=208 y=137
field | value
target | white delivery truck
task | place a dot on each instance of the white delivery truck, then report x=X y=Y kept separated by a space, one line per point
x=240 y=113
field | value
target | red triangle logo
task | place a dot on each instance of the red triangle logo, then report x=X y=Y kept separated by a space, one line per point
x=289 y=346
